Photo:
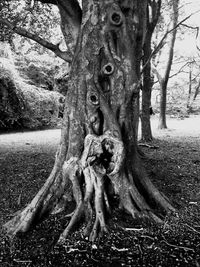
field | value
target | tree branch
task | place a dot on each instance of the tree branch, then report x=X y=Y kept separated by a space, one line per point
x=192 y=27
x=180 y=70
x=172 y=41
x=160 y=44
x=67 y=56
x=196 y=90
x=71 y=16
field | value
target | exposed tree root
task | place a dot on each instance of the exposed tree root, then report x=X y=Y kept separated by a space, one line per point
x=23 y=220
x=98 y=156
x=148 y=145
x=102 y=160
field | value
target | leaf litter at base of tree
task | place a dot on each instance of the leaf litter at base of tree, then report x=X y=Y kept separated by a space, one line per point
x=174 y=168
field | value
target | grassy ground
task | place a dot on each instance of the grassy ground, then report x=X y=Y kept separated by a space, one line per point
x=26 y=160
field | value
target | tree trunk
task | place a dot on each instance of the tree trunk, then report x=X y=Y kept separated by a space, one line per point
x=164 y=81
x=97 y=156
x=189 y=91
x=163 y=103
x=152 y=15
x=146 y=92
x=196 y=91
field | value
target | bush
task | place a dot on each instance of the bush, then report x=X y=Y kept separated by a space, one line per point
x=22 y=104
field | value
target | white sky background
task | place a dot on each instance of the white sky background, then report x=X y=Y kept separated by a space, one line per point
x=185 y=45
x=188 y=44
x=185 y=50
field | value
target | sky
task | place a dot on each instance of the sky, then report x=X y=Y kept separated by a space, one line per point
x=189 y=7
x=185 y=45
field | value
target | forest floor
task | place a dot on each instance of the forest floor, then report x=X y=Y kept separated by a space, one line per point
x=173 y=164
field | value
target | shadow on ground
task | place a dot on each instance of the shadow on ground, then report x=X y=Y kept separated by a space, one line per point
x=174 y=167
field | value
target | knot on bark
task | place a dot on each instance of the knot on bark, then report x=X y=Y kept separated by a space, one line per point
x=108 y=69
x=93 y=98
x=116 y=18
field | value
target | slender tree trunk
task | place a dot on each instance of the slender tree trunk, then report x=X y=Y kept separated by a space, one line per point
x=146 y=92
x=152 y=15
x=97 y=156
x=163 y=99
x=162 y=124
x=190 y=90
x=196 y=91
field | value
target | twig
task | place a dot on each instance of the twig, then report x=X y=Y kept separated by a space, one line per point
x=70 y=250
x=179 y=247
x=132 y=229
x=22 y=261
x=119 y=249
x=19 y=200
x=147 y=236
x=149 y=146
x=157 y=48
x=193 y=28
x=190 y=227
x=140 y=249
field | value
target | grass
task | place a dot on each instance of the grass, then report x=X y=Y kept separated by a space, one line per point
x=26 y=160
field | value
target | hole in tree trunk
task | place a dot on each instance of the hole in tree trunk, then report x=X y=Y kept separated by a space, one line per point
x=94 y=99
x=116 y=18
x=108 y=69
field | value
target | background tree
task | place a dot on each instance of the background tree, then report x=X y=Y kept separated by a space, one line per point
x=153 y=12
x=163 y=80
x=187 y=36
x=97 y=156
x=194 y=81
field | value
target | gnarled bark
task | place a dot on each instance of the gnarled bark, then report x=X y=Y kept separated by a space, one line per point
x=97 y=156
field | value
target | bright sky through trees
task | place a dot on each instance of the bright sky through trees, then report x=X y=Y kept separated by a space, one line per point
x=189 y=43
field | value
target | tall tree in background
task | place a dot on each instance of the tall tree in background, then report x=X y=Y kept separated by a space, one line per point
x=190 y=87
x=153 y=12
x=163 y=80
x=98 y=156
x=194 y=81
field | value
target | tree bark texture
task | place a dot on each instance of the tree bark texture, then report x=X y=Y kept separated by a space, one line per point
x=162 y=124
x=97 y=156
x=147 y=82
x=146 y=92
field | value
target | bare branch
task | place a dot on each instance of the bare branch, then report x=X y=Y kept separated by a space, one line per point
x=196 y=90
x=180 y=70
x=67 y=56
x=160 y=44
x=193 y=28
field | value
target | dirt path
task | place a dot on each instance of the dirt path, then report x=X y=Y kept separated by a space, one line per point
x=177 y=128
x=23 y=141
